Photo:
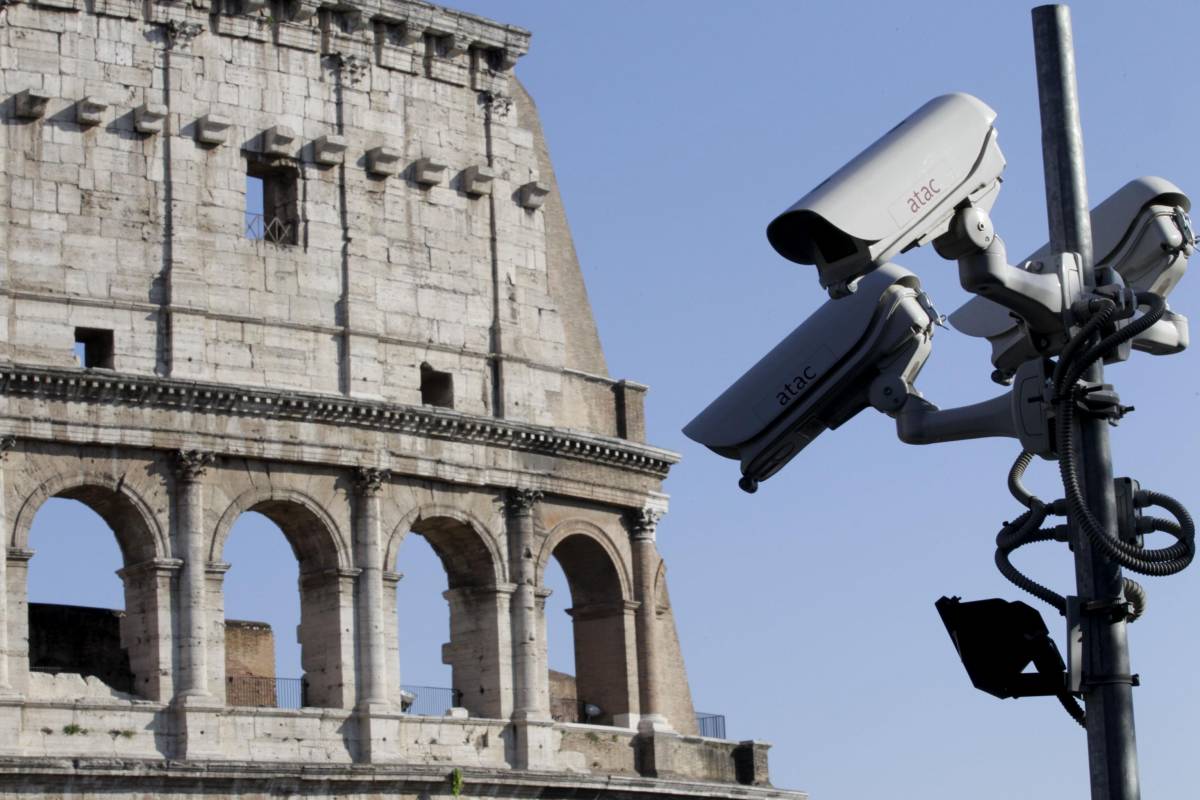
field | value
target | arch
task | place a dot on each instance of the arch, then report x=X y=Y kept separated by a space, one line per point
x=137 y=530
x=581 y=527
x=466 y=546
x=601 y=612
x=315 y=538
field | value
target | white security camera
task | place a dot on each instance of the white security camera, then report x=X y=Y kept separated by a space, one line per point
x=1142 y=233
x=865 y=349
x=899 y=193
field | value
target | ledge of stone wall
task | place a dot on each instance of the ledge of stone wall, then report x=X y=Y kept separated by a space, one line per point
x=97 y=386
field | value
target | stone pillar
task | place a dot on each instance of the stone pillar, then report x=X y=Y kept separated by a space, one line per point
x=527 y=704
x=391 y=635
x=6 y=444
x=372 y=641
x=17 y=577
x=189 y=525
x=643 y=525
x=533 y=729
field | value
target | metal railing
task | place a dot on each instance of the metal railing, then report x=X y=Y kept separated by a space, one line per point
x=273 y=229
x=430 y=701
x=246 y=690
x=711 y=725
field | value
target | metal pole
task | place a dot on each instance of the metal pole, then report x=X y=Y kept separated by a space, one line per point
x=1107 y=687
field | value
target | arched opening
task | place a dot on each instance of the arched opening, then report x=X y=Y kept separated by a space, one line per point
x=96 y=623
x=475 y=615
x=423 y=618
x=295 y=650
x=262 y=616
x=602 y=636
x=560 y=647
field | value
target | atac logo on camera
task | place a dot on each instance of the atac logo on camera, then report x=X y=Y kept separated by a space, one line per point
x=796 y=386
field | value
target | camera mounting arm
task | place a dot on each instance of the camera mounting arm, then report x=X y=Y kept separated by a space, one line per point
x=1038 y=297
x=1019 y=413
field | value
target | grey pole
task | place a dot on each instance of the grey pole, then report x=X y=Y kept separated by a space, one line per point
x=1107 y=686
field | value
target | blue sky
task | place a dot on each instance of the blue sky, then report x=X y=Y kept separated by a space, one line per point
x=678 y=130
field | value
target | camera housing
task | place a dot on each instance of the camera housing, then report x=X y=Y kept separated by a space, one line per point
x=899 y=193
x=1141 y=233
x=822 y=374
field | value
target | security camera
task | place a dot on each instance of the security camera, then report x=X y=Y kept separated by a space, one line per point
x=1141 y=233
x=865 y=349
x=899 y=193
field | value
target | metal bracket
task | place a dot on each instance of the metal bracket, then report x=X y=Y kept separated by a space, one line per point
x=1110 y=680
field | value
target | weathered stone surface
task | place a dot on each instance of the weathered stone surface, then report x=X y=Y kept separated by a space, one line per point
x=358 y=359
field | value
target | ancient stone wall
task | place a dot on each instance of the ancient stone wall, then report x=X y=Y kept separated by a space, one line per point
x=396 y=341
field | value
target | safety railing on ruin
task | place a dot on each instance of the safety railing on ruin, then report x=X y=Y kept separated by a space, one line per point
x=429 y=701
x=711 y=725
x=272 y=229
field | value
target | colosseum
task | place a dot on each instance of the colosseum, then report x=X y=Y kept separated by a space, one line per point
x=308 y=259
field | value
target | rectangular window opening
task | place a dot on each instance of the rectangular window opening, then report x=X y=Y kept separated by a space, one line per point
x=272 y=203
x=437 y=388
x=94 y=348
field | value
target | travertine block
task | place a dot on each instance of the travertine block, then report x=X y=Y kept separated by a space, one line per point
x=30 y=103
x=279 y=140
x=533 y=194
x=213 y=129
x=90 y=110
x=383 y=160
x=428 y=172
x=329 y=150
x=149 y=118
x=477 y=179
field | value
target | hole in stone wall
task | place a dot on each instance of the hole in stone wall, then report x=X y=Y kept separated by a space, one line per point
x=94 y=348
x=437 y=388
x=272 y=202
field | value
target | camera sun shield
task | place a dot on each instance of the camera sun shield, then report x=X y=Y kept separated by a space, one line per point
x=900 y=192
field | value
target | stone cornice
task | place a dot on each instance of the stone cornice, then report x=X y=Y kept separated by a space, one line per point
x=103 y=387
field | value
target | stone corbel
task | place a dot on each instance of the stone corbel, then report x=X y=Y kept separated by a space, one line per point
x=252 y=6
x=300 y=10
x=279 y=140
x=383 y=161
x=30 y=103
x=329 y=150
x=149 y=118
x=90 y=111
x=533 y=194
x=213 y=129
x=428 y=172
x=477 y=180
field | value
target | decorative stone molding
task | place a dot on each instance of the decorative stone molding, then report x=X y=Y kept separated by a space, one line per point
x=370 y=480
x=90 y=111
x=180 y=33
x=477 y=180
x=329 y=150
x=30 y=103
x=20 y=554
x=383 y=160
x=149 y=118
x=72 y=385
x=498 y=104
x=532 y=195
x=279 y=140
x=643 y=523
x=191 y=464
x=520 y=502
x=428 y=172
x=353 y=67
x=213 y=129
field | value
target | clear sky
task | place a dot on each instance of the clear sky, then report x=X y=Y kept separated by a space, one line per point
x=678 y=130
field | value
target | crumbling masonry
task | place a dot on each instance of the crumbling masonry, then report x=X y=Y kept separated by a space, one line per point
x=398 y=341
